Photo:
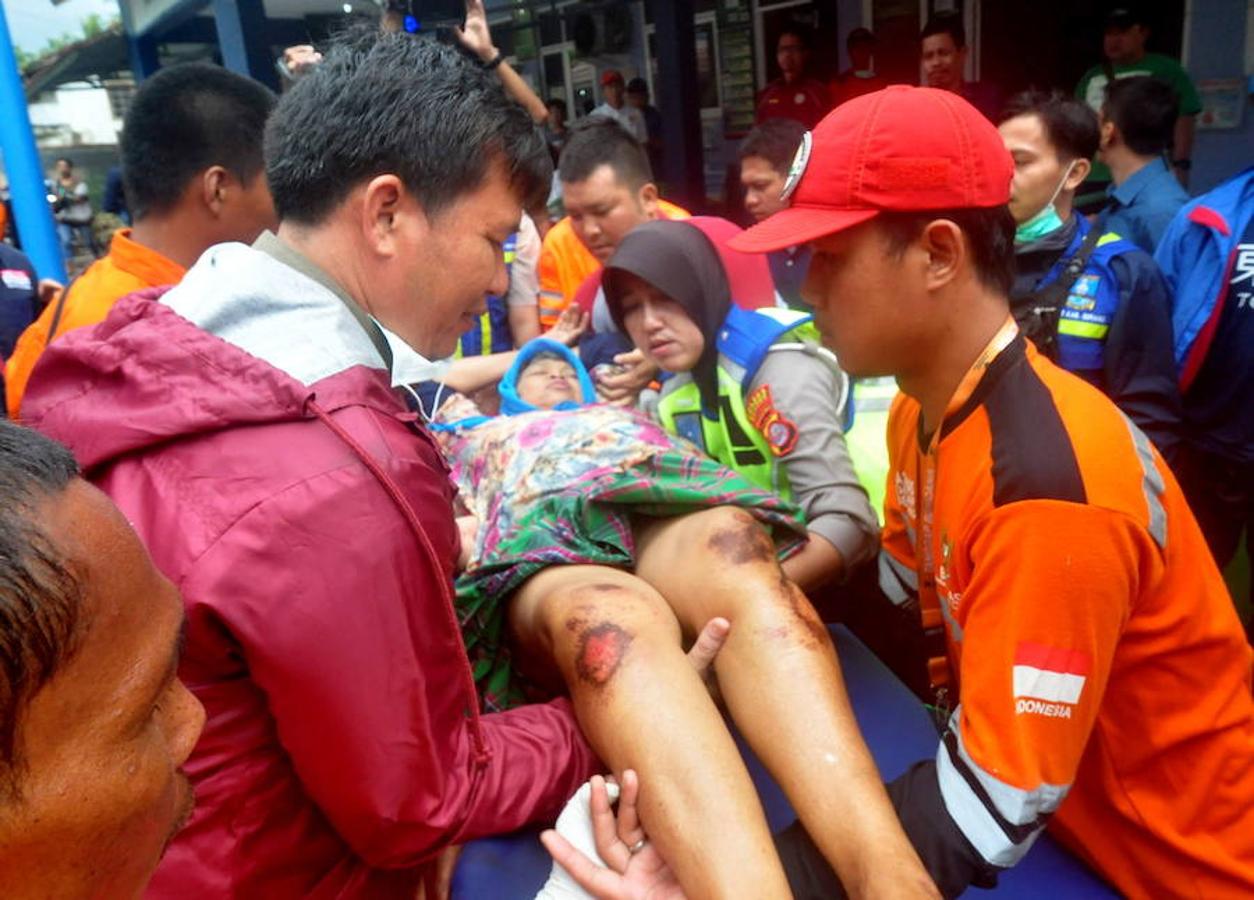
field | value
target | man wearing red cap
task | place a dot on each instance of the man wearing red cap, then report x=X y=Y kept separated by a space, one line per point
x=612 y=88
x=1097 y=673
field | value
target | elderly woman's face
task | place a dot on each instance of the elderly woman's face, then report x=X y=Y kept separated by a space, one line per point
x=547 y=382
x=659 y=326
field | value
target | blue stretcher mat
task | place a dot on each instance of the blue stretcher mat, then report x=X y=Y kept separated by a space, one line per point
x=899 y=732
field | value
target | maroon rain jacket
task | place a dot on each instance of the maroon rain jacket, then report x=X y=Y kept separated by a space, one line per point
x=310 y=531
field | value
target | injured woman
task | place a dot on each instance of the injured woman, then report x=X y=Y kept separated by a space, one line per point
x=602 y=546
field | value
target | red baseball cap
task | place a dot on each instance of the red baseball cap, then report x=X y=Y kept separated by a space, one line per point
x=609 y=76
x=899 y=149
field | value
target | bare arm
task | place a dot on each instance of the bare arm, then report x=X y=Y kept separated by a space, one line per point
x=475 y=37
x=524 y=323
x=817 y=564
x=1182 y=146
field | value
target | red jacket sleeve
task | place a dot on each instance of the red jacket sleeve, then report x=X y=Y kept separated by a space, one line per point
x=338 y=615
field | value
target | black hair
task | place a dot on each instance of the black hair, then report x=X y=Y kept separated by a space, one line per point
x=859 y=36
x=990 y=235
x=1070 y=125
x=949 y=23
x=1144 y=110
x=183 y=120
x=800 y=32
x=395 y=103
x=775 y=140
x=41 y=616
x=65 y=159
x=599 y=141
x=559 y=103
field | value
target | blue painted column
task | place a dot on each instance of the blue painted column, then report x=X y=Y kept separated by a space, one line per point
x=242 y=38
x=21 y=160
x=142 y=50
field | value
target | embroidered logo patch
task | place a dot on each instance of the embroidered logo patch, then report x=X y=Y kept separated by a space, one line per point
x=1083 y=296
x=798 y=167
x=1048 y=681
x=780 y=432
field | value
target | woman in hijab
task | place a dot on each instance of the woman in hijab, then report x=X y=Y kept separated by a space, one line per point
x=753 y=388
x=602 y=544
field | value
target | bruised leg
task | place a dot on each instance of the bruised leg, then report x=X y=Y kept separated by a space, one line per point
x=781 y=681
x=612 y=639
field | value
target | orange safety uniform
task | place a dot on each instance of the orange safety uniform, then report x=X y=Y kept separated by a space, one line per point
x=1103 y=677
x=128 y=267
x=565 y=264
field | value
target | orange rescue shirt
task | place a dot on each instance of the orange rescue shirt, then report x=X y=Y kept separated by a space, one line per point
x=1104 y=679
x=565 y=264
x=128 y=267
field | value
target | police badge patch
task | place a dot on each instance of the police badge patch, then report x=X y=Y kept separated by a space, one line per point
x=780 y=431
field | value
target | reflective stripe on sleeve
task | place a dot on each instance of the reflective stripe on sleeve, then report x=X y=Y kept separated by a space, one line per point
x=1092 y=330
x=898 y=581
x=1151 y=484
x=1001 y=821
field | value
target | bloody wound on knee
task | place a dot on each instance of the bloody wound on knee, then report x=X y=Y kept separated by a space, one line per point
x=601 y=651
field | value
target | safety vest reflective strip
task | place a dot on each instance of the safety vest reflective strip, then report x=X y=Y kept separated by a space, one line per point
x=1094 y=330
x=731 y=438
x=491 y=340
x=866 y=437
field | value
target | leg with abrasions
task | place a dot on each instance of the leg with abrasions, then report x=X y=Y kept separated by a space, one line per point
x=781 y=681
x=614 y=642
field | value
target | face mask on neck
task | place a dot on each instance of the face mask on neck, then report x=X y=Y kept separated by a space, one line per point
x=1047 y=221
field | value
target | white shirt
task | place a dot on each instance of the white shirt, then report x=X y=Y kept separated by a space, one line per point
x=627 y=116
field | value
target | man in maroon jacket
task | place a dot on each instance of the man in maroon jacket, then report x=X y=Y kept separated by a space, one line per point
x=245 y=423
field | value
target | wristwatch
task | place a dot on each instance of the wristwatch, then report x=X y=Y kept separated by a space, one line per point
x=495 y=61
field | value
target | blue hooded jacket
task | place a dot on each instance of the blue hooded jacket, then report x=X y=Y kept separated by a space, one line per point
x=512 y=404
x=1197 y=254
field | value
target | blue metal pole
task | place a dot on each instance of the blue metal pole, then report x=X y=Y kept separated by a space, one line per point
x=21 y=161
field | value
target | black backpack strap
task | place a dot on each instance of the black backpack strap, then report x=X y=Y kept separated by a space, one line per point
x=56 y=314
x=1038 y=313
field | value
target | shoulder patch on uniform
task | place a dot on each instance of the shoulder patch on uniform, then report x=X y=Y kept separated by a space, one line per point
x=780 y=431
x=1083 y=295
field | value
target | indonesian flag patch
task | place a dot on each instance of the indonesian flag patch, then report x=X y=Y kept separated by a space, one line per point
x=1048 y=681
x=780 y=432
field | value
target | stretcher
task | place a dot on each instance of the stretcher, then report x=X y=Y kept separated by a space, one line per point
x=899 y=732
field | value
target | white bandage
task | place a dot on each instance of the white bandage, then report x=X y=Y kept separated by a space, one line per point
x=575 y=824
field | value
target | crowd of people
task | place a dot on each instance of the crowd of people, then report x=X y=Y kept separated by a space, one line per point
x=355 y=506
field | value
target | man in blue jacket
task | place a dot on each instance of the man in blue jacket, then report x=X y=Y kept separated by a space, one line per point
x=1207 y=256
x=1091 y=301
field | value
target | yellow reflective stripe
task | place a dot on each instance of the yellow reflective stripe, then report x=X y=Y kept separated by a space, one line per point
x=485 y=334
x=1091 y=330
x=1108 y=238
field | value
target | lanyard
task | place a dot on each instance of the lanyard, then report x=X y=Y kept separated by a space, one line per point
x=925 y=498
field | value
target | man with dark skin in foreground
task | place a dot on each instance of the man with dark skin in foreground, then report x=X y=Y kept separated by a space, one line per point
x=94 y=725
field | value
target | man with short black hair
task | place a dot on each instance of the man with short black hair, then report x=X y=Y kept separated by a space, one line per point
x=245 y=421
x=1031 y=532
x=1137 y=121
x=638 y=99
x=943 y=52
x=1090 y=301
x=1123 y=48
x=192 y=165
x=765 y=156
x=608 y=189
x=94 y=725
x=860 y=78
x=794 y=94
